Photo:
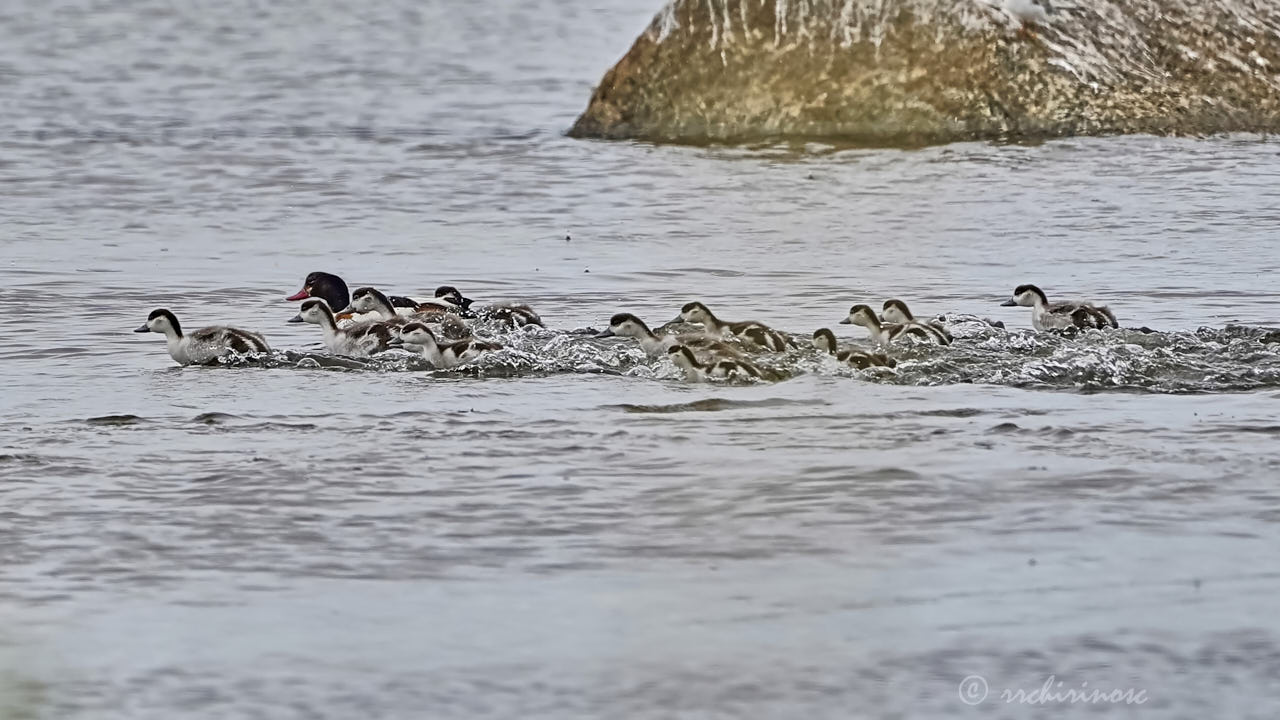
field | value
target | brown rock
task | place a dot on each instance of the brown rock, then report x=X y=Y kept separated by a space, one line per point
x=910 y=72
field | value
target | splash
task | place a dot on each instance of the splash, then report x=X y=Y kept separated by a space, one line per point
x=1230 y=359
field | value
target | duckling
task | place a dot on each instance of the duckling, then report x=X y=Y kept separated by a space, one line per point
x=419 y=338
x=204 y=345
x=451 y=295
x=753 y=332
x=369 y=301
x=697 y=371
x=511 y=315
x=882 y=333
x=361 y=340
x=446 y=298
x=1060 y=316
x=825 y=340
x=628 y=325
x=896 y=311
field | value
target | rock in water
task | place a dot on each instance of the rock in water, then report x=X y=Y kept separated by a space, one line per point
x=910 y=72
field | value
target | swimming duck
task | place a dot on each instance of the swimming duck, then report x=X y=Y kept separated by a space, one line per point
x=753 y=332
x=896 y=311
x=825 y=340
x=204 y=345
x=449 y=294
x=419 y=338
x=697 y=371
x=883 y=333
x=512 y=315
x=1060 y=316
x=628 y=325
x=360 y=340
x=370 y=301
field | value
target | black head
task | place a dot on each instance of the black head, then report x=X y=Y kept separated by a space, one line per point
x=690 y=307
x=324 y=285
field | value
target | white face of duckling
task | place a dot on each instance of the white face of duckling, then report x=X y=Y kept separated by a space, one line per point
x=414 y=334
x=895 y=311
x=1024 y=296
x=694 y=312
x=824 y=340
x=314 y=311
x=861 y=315
x=683 y=358
x=363 y=303
x=627 y=327
x=160 y=324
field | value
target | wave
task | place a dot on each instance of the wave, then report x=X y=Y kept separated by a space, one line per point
x=1234 y=358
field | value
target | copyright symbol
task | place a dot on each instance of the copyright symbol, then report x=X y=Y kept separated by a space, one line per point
x=973 y=690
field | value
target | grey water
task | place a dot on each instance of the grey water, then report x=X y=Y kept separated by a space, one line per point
x=568 y=529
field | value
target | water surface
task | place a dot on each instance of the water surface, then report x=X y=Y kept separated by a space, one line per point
x=572 y=531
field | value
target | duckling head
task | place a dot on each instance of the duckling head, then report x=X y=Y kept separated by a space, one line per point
x=861 y=315
x=1025 y=296
x=895 y=311
x=683 y=357
x=314 y=311
x=161 y=321
x=451 y=295
x=417 y=334
x=694 y=312
x=625 y=325
x=367 y=299
x=824 y=340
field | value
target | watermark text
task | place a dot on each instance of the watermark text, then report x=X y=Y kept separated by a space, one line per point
x=974 y=690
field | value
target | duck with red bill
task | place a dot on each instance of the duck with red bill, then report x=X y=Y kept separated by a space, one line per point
x=326 y=286
x=333 y=290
